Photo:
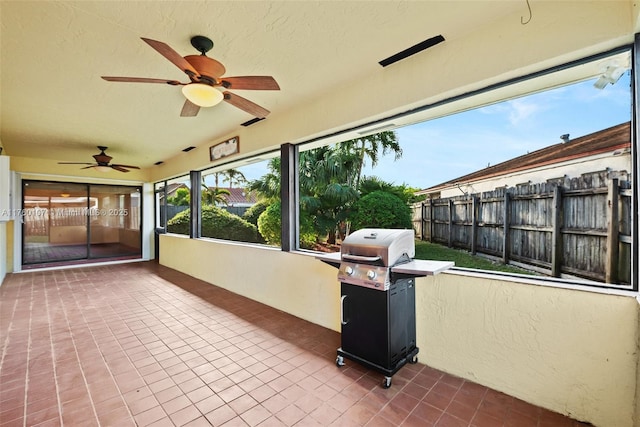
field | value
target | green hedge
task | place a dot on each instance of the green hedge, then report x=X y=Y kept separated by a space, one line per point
x=253 y=213
x=217 y=223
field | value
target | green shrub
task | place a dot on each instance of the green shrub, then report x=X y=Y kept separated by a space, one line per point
x=270 y=227
x=252 y=214
x=380 y=209
x=217 y=223
x=270 y=224
x=308 y=233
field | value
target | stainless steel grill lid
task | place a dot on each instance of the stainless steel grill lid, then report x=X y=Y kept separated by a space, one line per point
x=367 y=255
x=379 y=246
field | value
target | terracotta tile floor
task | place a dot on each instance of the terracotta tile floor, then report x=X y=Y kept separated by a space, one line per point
x=142 y=345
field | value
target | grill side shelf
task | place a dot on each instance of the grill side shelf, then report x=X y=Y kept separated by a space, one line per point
x=333 y=258
x=421 y=268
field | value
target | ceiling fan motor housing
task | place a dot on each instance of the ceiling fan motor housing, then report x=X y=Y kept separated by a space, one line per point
x=207 y=67
x=102 y=159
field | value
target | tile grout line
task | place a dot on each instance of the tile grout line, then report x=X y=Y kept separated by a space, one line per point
x=53 y=353
x=124 y=351
x=477 y=408
x=125 y=323
x=26 y=379
x=107 y=365
x=73 y=340
x=5 y=344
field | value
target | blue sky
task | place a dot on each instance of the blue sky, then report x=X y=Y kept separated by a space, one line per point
x=446 y=148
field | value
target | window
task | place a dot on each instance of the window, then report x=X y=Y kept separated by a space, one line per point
x=174 y=205
x=234 y=198
x=240 y=201
x=530 y=177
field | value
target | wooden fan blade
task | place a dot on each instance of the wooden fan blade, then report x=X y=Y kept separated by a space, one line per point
x=189 y=109
x=89 y=167
x=173 y=56
x=251 y=83
x=140 y=80
x=125 y=166
x=246 y=105
x=118 y=168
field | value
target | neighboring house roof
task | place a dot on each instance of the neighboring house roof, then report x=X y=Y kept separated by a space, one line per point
x=172 y=188
x=607 y=140
x=239 y=196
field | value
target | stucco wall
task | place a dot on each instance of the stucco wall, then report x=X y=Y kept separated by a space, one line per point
x=571 y=351
x=294 y=283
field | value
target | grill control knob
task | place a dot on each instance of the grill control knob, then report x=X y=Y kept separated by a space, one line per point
x=348 y=270
x=371 y=274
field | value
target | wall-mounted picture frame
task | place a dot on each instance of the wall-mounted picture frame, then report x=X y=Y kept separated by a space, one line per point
x=225 y=148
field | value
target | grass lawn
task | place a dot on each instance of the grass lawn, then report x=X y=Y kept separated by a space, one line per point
x=434 y=251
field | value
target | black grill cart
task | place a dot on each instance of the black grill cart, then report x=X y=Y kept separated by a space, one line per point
x=377 y=275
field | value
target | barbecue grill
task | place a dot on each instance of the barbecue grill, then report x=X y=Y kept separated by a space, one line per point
x=378 y=313
x=377 y=275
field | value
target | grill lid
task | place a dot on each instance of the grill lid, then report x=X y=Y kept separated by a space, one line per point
x=379 y=246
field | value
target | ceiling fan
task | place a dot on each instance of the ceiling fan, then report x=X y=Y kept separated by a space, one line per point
x=205 y=75
x=102 y=163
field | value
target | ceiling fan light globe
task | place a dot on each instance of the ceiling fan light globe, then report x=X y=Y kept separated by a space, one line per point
x=103 y=168
x=202 y=95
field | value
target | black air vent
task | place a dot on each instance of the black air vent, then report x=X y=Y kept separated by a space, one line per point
x=186 y=150
x=412 y=50
x=252 y=121
x=158 y=163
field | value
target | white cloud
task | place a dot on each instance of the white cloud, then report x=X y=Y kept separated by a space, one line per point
x=521 y=110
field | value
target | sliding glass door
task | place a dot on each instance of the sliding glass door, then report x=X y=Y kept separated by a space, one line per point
x=72 y=223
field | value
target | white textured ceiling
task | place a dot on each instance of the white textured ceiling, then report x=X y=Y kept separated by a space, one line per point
x=54 y=105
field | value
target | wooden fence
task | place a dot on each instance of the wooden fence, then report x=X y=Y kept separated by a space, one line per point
x=579 y=227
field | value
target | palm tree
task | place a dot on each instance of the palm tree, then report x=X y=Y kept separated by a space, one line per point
x=326 y=191
x=370 y=146
x=216 y=178
x=234 y=175
x=329 y=178
x=214 y=195
x=268 y=185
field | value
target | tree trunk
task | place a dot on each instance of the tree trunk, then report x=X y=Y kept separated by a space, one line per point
x=362 y=152
x=331 y=238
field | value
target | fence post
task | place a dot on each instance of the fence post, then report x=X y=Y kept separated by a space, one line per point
x=556 y=234
x=451 y=211
x=611 y=272
x=505 y=235
x=474 y=225
x=422 y=221
x=431 y=220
